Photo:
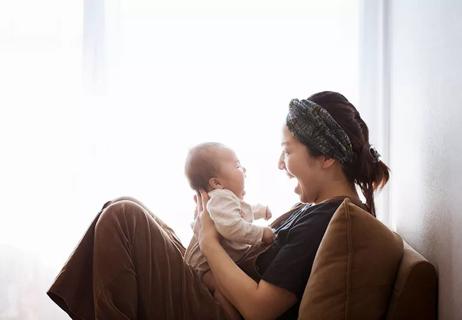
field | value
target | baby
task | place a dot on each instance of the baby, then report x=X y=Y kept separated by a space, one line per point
x=215 y=168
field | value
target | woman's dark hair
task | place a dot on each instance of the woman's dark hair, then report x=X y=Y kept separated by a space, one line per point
x=368 y=172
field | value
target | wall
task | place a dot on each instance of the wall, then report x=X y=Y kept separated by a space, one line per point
x=422 y=92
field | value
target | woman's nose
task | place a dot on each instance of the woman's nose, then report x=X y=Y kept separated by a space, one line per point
x=281 y=163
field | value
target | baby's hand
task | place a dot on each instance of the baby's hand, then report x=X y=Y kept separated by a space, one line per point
x=268 y=214
x=268 y=235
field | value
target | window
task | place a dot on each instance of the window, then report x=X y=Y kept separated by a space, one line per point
x=102 y=99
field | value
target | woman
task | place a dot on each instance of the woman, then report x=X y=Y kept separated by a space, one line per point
x=130 y=265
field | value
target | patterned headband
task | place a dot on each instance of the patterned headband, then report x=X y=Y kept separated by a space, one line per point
x=316 y=128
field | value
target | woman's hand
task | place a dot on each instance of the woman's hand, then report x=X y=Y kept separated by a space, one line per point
x=253 y=300
x=207 y=233
x=268 y=235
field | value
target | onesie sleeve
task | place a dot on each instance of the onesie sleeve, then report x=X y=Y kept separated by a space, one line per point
x=225 y=210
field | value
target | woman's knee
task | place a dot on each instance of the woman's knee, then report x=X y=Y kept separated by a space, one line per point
x=121 y=210
x=133 y=219
x=127 y=198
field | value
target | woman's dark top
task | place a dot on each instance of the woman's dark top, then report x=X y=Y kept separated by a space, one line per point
x=287 y=263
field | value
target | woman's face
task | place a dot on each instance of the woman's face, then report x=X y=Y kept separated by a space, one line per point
x=296 y=160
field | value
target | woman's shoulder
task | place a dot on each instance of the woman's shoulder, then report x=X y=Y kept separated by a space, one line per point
x=317 y=213
x=331 y=205
x=327 y=207
x=302 y=212
x=282 y=218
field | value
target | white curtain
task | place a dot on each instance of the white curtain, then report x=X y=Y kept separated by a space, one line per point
x=105 y=100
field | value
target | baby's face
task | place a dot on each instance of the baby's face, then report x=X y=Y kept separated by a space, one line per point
x=231 y=174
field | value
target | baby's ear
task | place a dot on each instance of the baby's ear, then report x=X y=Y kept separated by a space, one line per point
x=215 y=183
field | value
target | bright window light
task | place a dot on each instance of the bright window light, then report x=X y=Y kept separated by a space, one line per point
x=101 y=103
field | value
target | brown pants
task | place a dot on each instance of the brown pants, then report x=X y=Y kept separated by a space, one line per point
x=129 y=265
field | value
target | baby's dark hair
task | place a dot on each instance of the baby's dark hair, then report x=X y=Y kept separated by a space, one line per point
x=202 y=165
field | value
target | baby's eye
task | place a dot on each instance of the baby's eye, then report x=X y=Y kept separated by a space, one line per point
x=239 y=165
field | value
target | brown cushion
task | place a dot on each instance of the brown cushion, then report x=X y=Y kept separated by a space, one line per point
x=354 y=269
x=415 y=294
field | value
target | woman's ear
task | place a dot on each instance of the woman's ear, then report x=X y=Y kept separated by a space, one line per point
x=215 y=183
x=327 y=162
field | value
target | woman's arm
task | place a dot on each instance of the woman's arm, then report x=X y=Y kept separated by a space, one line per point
x=254 y=300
